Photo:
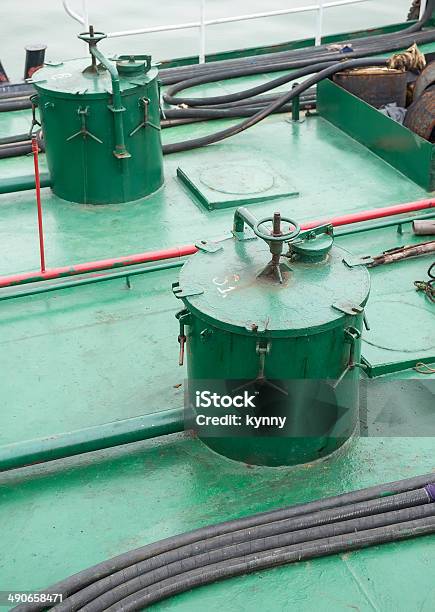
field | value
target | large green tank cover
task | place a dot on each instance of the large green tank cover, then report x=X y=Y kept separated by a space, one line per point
x=101 y=124
x=225 y=288
x=279 y=313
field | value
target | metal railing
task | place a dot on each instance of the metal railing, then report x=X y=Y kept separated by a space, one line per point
x=203 y=23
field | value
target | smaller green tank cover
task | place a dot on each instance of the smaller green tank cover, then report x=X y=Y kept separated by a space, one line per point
x=78 y=120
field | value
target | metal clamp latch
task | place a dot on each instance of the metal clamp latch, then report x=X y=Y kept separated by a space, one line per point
x=83 y=113
x=183 y=317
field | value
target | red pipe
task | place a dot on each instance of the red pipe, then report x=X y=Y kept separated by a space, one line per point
x=35 y=151
x=172 y=253
x=376 y=213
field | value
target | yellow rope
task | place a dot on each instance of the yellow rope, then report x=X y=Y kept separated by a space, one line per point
x=411 y=59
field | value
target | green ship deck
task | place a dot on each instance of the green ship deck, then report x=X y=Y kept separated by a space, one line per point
x=85 y=356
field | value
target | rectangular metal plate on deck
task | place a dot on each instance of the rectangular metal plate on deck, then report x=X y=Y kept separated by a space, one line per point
x=241 y=181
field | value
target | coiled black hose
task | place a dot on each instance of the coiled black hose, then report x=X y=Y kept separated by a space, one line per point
x=15 y=148
x=170 y=95
x=15 y=104
x=372 y=44
x=83 y=579
x=268 y=110
x=274 y=558
x=149 y=585
x=12 y=146
x=13 y=139
x=326 y=523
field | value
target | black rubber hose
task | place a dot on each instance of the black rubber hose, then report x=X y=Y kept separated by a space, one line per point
x=182 y=117
x=221 y=113
x=15 y=104
x=285 y=98
x=170 y=98
x=15 y=90
x=294 y=59
x=173 y=75
x=13 y=139
x=234 y=551
x=262 y=100
x=282 y=61
x=86 y=577
x=305 y=527
x=272 y=558
x=15 y=149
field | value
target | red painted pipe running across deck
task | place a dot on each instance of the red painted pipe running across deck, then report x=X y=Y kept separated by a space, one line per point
x=174 y=252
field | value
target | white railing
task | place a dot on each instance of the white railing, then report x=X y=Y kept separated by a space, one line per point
x=203 y=23
x=422 y=8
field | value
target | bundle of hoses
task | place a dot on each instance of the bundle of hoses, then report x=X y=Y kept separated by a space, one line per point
x=347 y=522
x=20 y=144
x=255 y=111
x=249 y=104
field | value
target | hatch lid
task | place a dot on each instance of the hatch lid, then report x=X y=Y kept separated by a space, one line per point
x=231 y=292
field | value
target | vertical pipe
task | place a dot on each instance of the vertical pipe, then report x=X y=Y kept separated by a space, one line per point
x=35 y=151
x=117 y=106
x=319 y=29
x=202 y=27
x=35 y=55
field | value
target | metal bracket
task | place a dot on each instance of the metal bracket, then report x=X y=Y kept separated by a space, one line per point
x=326 y=228
x=181 y=293
x=183 y=317
x=352 y=262
x=84 y=132
x=208 y=247
x=348 y=308
x=351 y=335
x=262 y=349
x=34 y=98
x=145 y=102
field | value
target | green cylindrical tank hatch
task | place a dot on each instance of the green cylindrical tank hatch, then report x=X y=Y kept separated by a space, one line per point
x=101 y=125
x=278 y=329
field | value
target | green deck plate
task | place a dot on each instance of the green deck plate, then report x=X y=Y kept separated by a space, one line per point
x=77 y=512
x=93 y=354
x=241 y=181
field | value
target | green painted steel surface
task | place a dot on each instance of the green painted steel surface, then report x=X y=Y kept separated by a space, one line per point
x=74 y=513
x=393 y=142
x=103 y=352
x=234 y=312
x=79 y=121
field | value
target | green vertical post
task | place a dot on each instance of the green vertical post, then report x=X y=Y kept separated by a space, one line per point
x=296 y=106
